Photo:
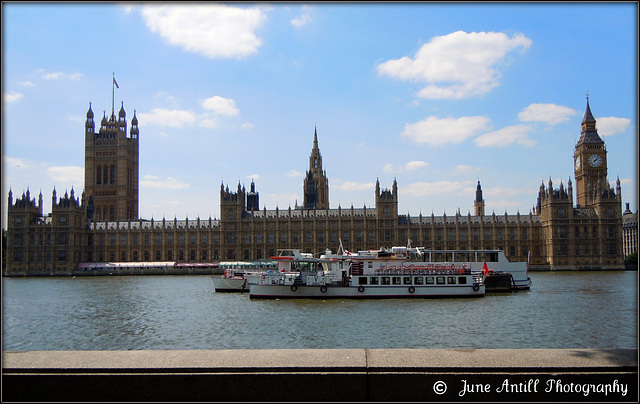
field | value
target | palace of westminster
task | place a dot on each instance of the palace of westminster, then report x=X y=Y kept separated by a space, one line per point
x=102 y=225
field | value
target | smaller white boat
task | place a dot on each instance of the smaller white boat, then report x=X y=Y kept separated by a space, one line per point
x=238 y=275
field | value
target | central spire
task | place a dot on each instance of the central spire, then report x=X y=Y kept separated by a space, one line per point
x=316 y=186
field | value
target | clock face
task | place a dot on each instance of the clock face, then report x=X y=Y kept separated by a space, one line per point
x=578 y=163
x=595 y=160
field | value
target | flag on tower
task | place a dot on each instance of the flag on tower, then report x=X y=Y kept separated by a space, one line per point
x=115 y=82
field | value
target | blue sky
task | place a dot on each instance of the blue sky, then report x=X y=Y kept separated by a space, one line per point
x=437 y=96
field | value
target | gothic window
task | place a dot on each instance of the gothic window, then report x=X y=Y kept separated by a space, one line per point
x=112 y=213
x=192 y=239
x=123 y=240
x=113 y=174
x=147 y=239
x=106 y=175
x=158 y=239
x=98 y=174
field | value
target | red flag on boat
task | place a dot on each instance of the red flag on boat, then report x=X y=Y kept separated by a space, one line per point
x=485 y=269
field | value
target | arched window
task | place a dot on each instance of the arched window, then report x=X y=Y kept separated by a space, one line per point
x=98 y=214
x=113 y=174
x=98 y=174
x=112 y=213
x=106 y=174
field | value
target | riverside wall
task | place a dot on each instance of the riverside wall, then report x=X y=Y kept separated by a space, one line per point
x=300 y=375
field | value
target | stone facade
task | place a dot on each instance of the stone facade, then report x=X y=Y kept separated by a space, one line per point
x=556 y=235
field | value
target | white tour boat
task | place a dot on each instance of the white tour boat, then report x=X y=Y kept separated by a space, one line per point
x=365 y=275
x=238 y=275
x=516 y=273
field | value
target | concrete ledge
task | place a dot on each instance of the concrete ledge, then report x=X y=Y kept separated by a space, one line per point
x=323 y=375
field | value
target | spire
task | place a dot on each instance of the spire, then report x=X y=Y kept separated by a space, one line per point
x=588 y=116
x=589 y=133
x=479 y=193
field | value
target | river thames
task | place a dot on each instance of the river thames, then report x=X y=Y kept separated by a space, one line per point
x=562 y=310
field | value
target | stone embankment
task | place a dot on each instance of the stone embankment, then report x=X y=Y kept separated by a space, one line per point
x=297 y=375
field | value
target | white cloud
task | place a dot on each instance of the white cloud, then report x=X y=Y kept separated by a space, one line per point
x=438 y=131
x=69 y=174
x=209 y=123
x=221 y=105
x=506 y=136
x=457 y=65
x=246 y=126
x=15 y=162
x=253 y=177
x=8 y=98
x=212 y=30
x=151 y=181
x=551 y=114
x=410 y=166
x=612 y=125
x=61 y=75
x=173 y=118
x=293 y=174
x=464 y=169
x=353 y=186
x=419 y=189
x=506 y=192
x=302 y=19
x=27 y=84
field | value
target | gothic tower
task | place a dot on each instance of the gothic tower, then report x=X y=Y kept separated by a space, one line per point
x=478 y=204
x=316 y=185
x=111 y=163
x=590 y=162
x=387 y=212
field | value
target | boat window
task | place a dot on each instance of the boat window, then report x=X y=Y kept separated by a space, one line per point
x=362 y=280
x=429 y=280
x=462 y=280
x=440 y=280
x=418 y=280
x=370 y=264
x=451 y=280
x=386 y=280
x=407 y=280
x=463 y=256
x=374 y=280
x=396 y=280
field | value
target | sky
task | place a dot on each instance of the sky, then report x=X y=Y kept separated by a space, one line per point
x=435 y=96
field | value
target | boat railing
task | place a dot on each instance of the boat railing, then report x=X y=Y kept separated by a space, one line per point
x=429 y=269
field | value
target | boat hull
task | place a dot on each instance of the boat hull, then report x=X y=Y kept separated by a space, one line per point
x=236 y=285
x=354 y=292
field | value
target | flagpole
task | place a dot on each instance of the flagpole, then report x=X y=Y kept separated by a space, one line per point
x=113 y=92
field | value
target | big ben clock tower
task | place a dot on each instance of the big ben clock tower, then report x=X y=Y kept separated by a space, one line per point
x=590 y=161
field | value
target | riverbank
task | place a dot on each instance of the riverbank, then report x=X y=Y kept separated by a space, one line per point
x=299 y=375
x=217 y=271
